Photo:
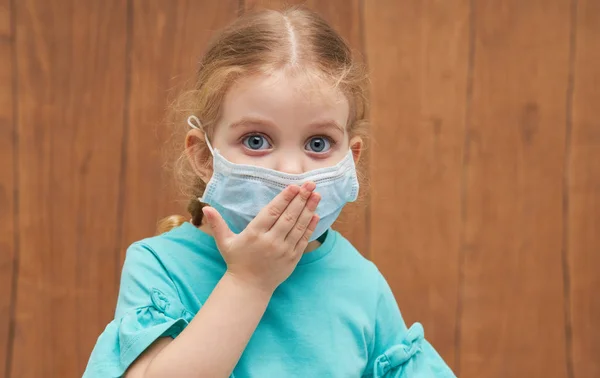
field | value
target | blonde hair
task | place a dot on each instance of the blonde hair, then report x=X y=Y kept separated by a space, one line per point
x=258 y=43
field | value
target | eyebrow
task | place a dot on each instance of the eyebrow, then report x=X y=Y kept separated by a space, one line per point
x=328 y=124
x=252 y=121
x=325 y=124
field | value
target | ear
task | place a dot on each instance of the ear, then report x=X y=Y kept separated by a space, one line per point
x=356 y=145
x=198 y=154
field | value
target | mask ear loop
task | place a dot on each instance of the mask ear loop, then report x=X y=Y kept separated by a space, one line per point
x=195 y=123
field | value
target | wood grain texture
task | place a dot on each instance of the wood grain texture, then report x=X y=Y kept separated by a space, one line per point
x=93 y=79
x=71 y=75
x=418 y=53
x=8 y=252
x=345 y=17
x=5 y=25
x=168 y=39
x=513 y=322
x=583 y=247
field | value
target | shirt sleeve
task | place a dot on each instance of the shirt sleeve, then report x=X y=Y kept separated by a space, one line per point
x=398 y=351
x=148 y=308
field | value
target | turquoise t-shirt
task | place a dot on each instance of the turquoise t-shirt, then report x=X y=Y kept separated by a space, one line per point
x=335 y=316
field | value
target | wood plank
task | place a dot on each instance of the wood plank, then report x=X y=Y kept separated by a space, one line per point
x=71 y=75
x=584 y=195
x=418 y=53
x=345 y=17
x=5 y=22
x=513 y=307
x=168 y=39
x=8 y=252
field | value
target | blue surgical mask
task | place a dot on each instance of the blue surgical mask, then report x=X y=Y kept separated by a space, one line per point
x=240 y=191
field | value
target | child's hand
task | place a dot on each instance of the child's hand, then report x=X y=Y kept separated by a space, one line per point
x=268 y=250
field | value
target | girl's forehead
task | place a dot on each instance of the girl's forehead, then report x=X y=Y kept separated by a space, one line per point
x=301 y=91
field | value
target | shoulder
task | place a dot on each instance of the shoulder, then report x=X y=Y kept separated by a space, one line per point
x=355 y=260
x=148 y=259
x=367 y=279
x=160 y=246
x=182 y=259
x=185 y=258
x=369 y=271
x=182 y=246
x=374 y=286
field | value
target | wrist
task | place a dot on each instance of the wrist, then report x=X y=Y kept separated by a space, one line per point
x=250 y=287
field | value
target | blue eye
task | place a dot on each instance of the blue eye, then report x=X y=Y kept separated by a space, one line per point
x=256 y=142
x=318 y=145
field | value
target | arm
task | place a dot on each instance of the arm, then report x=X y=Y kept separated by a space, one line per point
x=258 y=260
x=398 y=351
x=213 y=342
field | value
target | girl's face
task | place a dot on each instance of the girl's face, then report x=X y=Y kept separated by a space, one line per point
x=283 y=123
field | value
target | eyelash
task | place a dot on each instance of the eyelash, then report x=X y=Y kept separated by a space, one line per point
x=249 y=135
x=329 y=139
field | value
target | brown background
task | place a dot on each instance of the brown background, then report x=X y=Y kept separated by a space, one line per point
x=484 y=204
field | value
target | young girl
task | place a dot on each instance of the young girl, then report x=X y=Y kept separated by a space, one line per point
x=257 y=284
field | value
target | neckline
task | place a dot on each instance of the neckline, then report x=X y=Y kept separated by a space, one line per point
x=193 y=233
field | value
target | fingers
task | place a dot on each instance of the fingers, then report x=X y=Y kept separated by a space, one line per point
x=289 y=217
x=304 y=220
x=269 y=215
x=303 y=242
x=220 y=230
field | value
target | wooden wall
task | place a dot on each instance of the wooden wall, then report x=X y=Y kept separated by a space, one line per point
x=483 y=208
